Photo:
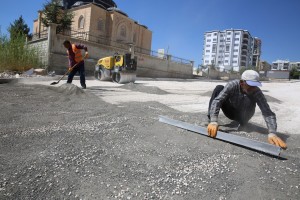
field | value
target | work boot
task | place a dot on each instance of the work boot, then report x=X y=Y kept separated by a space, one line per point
x=208 y=118
x=242 y=127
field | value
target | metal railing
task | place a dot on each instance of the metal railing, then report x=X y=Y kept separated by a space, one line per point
x=85 y=35
x=40 y=35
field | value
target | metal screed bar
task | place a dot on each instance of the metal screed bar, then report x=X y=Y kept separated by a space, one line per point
x=245 y=142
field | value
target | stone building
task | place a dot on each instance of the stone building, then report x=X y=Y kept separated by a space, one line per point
x=94 y=19
x=105 y=29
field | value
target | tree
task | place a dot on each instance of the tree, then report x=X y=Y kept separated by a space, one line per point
x=294 y=73
x=19 y=28
x=53 y=13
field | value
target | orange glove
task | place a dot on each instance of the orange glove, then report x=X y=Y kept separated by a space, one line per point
x=86 y=55
x=70 y=69
x=212 y=129
x=274 y=139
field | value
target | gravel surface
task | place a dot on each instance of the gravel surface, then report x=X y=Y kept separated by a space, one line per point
x=67 y=143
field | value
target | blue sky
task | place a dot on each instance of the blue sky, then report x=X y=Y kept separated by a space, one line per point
x=179 y=26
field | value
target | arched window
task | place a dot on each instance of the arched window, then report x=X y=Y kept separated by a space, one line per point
x=123 y=31
x=134 y=37
x=100 y=25
x=81 y=22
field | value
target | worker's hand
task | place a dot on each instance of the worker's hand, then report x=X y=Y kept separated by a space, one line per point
x=212 y=129
x=274 y=139
x=86 y=55
x=70 y=69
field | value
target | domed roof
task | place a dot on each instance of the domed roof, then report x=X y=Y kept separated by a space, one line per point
x=102 y=3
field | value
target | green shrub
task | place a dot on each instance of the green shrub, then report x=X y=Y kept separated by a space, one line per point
x=15 y=55
x=294 y=73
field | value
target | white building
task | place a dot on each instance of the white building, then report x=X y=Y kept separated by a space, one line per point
x=231 y=49
x=284 y=65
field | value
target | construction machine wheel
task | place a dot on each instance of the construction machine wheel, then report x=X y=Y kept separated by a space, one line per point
x=100 y=75
x=123 y=77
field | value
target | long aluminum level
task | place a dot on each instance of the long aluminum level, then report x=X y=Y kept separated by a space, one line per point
x=245 y=142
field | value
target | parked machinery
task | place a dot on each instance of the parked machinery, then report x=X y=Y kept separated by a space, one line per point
x=120 y=68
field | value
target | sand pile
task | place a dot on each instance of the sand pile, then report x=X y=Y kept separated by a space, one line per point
x=69 y=89
x=138 y=87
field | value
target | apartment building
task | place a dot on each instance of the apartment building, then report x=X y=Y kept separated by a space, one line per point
x=284 y=65
x=231 y=49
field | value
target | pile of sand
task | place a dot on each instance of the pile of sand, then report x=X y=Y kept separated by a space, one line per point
x=138 y=87
x=69 y=89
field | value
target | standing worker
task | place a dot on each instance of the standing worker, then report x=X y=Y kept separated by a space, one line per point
x=75 y=57
x=238 y=100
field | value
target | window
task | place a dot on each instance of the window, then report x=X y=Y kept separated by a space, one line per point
x=235 y=56
x=214 y=48
x=221 y=51
x=238 y=33
x=235 y=50
x=222 y=40
x=215 y=39
x=207 y=51
x=208 y=45
x=228 y=33
x=206 y=61
x=236 y=45
x=81 y=22
x=208 y=35
x=209 y=40
x=228 y=39
x=215 y=34
x=221 y=46
x=234 y=61
x=100 y=24
x=122 y=31
x=134 y=37
x=236 y=39
x=226 y=55
x=226 y=61
x=227 y=47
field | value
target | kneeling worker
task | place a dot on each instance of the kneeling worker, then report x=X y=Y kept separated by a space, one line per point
x=238 y=100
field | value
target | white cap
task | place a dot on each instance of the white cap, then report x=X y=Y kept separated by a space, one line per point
x=251 y=77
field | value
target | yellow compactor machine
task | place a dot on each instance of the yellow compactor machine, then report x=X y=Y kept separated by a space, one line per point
x=118 y=68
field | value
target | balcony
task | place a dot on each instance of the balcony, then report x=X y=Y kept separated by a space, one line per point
x=245 y=42
x=246 y=36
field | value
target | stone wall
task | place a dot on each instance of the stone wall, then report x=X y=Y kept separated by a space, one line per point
x=41 y=46
x=147 y=65
x=214 y=74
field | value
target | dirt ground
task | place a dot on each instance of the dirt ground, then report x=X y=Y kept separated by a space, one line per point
x=105 y=142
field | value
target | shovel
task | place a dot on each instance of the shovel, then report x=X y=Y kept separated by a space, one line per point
x=54 y=83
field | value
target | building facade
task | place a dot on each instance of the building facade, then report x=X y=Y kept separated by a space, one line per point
x=97 y=19
x=284 y=65
x=231 y=49
x=264 y=66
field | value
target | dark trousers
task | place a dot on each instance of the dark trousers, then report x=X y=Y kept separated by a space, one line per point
x=79 y=68
x=241 y=115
